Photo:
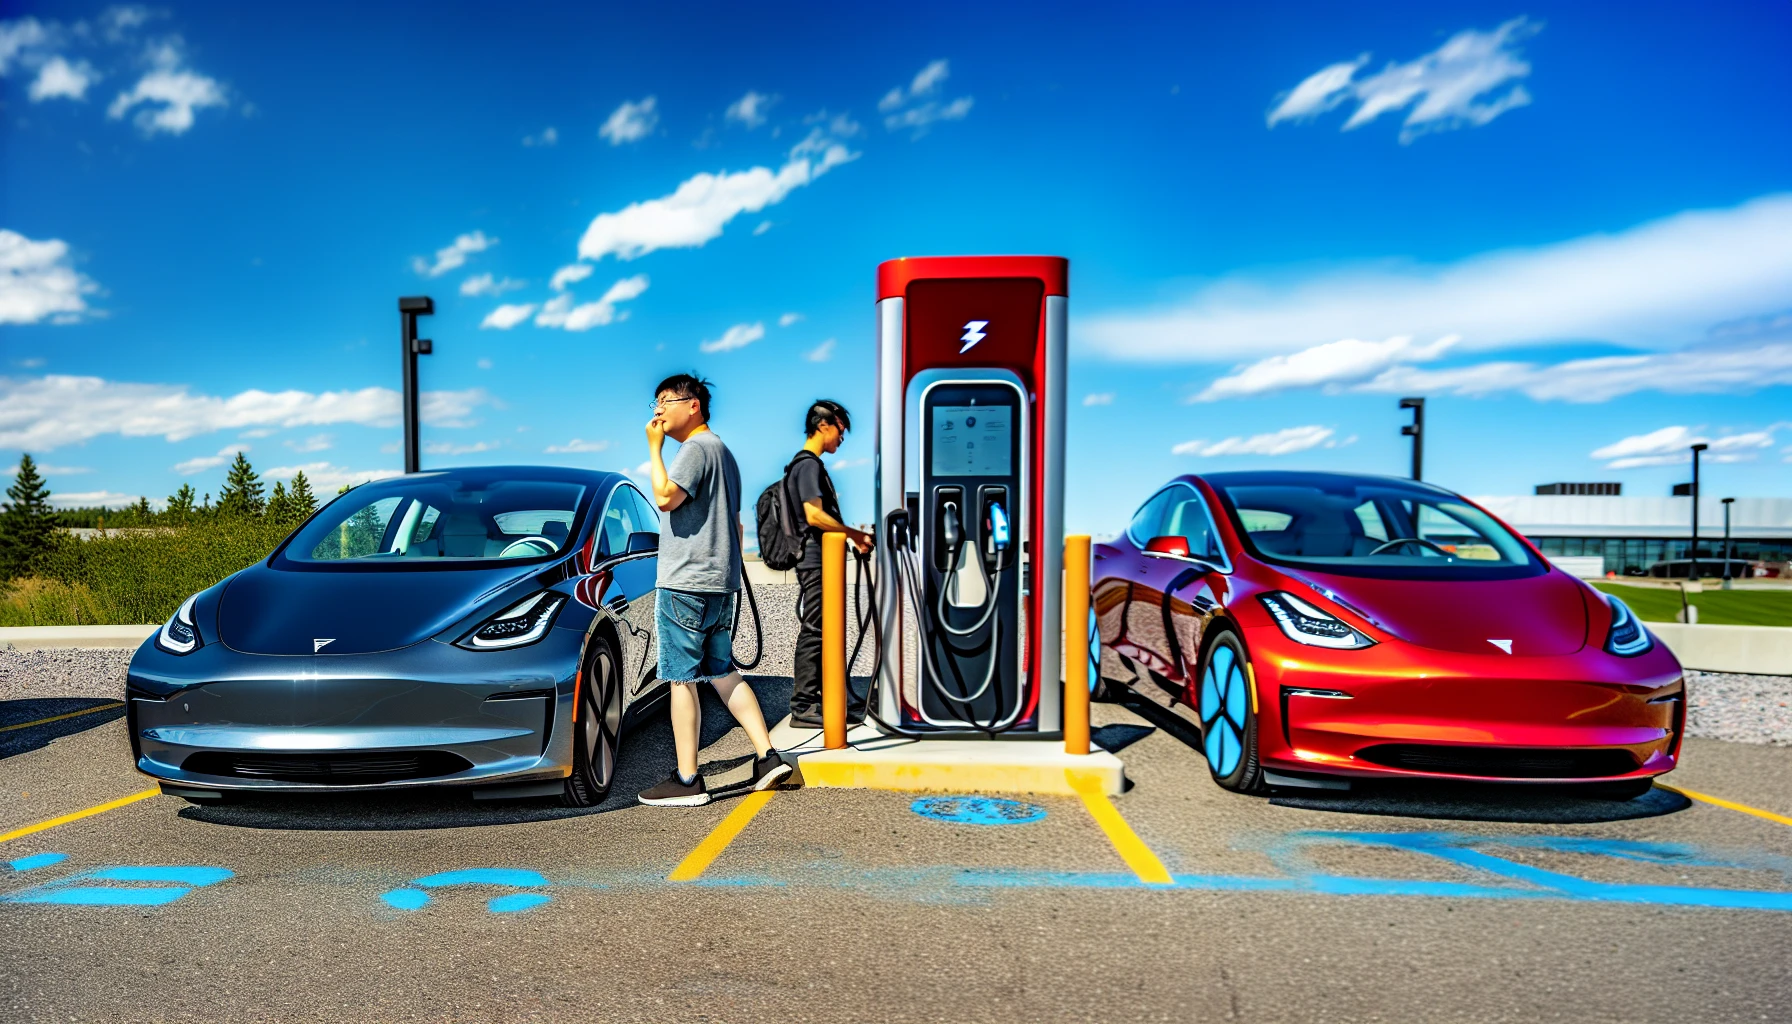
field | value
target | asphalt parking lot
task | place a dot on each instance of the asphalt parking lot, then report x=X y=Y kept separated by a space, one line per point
x=830 y=905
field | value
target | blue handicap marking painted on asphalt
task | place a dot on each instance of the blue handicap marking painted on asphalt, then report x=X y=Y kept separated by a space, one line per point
x=135 y=891
x=977 y=810
x=37 y=860
x=415 y=897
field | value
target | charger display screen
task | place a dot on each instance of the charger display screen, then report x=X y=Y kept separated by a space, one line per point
x=972 y=440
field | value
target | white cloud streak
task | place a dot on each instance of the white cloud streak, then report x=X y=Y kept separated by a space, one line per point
x=822 y=352
x=486 y=284
x=1652 y=286
x=577 y=446
x=572 y=273
x=168 y=93
x=547 y=137
x=1672 y=446
x=1282 y=442
x=507 y=316
x=560 y=311
x=738 y=336
x=58 y=79
x=326 y=478
x=702 y=206
x=1333 y=363
x=631 y=122
x=789 y=318
x=205 y=462
x=1098 y=398
x=1453 y=86
x=750 y=110
x=43 y=413
x=916 y=107
x=454 y=255
x=37 y=283
x=1698 y=370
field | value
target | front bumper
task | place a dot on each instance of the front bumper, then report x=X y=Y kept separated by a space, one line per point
x=1403 y=711
x=430 y=714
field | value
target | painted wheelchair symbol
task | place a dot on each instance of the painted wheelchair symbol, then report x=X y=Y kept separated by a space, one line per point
x=152 y=885
x=416 y=896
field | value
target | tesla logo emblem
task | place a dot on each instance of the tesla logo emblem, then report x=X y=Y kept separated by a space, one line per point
x=1504 y=645
x=318 y=645
x=973 y=333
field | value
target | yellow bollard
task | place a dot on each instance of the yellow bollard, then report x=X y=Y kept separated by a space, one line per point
x=833 y=640
x=1076 y=644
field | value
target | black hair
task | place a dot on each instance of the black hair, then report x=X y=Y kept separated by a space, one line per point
x=687 y=385
x=824 y=410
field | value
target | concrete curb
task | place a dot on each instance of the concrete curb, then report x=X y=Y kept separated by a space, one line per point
x=38 y=638
x=873 y=760
x=1745 y=650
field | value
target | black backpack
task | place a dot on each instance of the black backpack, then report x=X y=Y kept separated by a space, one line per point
x=780 y=536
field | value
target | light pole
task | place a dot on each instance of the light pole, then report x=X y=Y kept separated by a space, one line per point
x=1727 y=503
x=409 y=309
x=1692 y=569
x=1416 y=431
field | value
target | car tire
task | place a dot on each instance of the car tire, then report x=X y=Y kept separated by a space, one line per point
x=597 y=735
x=1228 y=723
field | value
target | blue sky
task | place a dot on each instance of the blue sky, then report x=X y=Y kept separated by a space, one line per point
x=1569 y=226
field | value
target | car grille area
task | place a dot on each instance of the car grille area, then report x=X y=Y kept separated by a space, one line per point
x=339 y=769
x=1503 y=762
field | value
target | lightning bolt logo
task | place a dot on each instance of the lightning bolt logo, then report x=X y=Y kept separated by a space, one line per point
x=973 y=333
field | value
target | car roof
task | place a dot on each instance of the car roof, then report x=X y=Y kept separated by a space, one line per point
x=597 y=478
x=1305 y=478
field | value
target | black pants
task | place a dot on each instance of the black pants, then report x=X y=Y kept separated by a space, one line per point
x=805 y=699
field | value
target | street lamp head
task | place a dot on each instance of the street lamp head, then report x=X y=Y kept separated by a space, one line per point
x=1728 y=500
x=1700 y=447
x=422 y=305
x=1412 y=403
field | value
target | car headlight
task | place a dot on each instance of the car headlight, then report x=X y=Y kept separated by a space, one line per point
x=180 y=634
x=519 y=625
x=1627 y=637
x=1305 y=624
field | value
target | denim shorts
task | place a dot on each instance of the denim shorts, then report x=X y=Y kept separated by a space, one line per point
x=696 y=635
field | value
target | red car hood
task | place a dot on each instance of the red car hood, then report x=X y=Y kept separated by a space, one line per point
x=1540 y=615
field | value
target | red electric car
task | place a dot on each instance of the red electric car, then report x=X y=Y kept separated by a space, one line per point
x=1319 y=626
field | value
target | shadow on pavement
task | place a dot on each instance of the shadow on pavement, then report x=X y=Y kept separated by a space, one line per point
x=15 y=714
x=1465 y=801
x=647 y=758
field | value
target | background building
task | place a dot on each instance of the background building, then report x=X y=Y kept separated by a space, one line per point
x=1632 y=533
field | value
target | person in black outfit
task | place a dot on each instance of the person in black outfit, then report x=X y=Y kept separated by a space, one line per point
x=824 y=425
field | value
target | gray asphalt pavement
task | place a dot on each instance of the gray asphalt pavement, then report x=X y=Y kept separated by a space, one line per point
x=1437 y=905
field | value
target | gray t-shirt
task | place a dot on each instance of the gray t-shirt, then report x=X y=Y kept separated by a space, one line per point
x=700 y=539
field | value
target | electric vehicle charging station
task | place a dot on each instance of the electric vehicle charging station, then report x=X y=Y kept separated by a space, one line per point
x=970 y=494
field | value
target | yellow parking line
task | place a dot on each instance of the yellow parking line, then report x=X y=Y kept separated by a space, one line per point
x=1730 y=804
x=58 y=718
x=78 y=815
x=1126 y=842
x=713 y=844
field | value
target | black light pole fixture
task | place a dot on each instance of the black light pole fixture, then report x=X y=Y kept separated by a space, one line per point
x=1727 y=503
x=1416 y=431
x=1692 y=569
x=409 y=309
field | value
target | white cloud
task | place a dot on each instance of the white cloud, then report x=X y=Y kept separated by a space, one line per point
x=42 y=413
x=750 y=110
x=450 y=448
x=48 y=470
x=560 y=312
x=789 y=318
x=58 y=79
x=1699 y=370
x=90 y=499
x=18 y=38
x=845 y=463
x=547 y=137
x=1453 y=86
x=1282 y=442
x=822 y=352
x=1337 y=362
x=631 y=122
x=327 y=478
x=120 y=21
x=485 y=284
x=738 y=336
x=704 y=204
x=1672 y=445
x=37 y=282
x=577 y=446
x=485 y=364
x=205 y=462
x=314 y=443
x=507 y=316
x=1651 y=286
x=916 y=106
x=169 y=93
x=1098 y=398
x=572 y=273
x=764 y=226
x=454 y=255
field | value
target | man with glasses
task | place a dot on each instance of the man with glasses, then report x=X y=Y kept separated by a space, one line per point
x=699 y=582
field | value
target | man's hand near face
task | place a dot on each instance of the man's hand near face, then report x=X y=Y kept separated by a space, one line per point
x=666 y=494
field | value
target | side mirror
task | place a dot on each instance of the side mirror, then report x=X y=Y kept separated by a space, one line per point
x=1174 y=546
x=643 y=542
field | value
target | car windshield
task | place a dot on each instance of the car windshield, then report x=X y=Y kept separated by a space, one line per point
x=440 y=520
x=1366 y=526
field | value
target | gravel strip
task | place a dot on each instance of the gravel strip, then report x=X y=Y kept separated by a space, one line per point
x=1738 y=708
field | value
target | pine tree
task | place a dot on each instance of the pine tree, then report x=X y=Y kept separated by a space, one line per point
x=303 y=501
x=27 y=523
x=142 y=513
x=279 y=505
x=242 y=490
x=180 y=504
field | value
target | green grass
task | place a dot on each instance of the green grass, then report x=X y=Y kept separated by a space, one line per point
x=1716 y=607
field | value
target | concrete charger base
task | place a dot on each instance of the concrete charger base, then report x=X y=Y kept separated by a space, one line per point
x=873 y=759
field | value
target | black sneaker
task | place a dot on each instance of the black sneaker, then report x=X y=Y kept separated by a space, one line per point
x=675 y=792
x=769 y=770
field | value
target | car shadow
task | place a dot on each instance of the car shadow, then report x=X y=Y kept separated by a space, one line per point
x=32 y=723
x=648 y=756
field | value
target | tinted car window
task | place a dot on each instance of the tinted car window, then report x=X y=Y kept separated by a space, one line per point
x=1185 y=516
x=625 y=515
x=440 y=519
x=1148 y=518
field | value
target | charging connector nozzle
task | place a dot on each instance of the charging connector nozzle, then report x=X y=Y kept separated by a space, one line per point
x=998 y=526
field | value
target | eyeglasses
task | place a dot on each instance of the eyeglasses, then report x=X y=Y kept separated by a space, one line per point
x=659 y=404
